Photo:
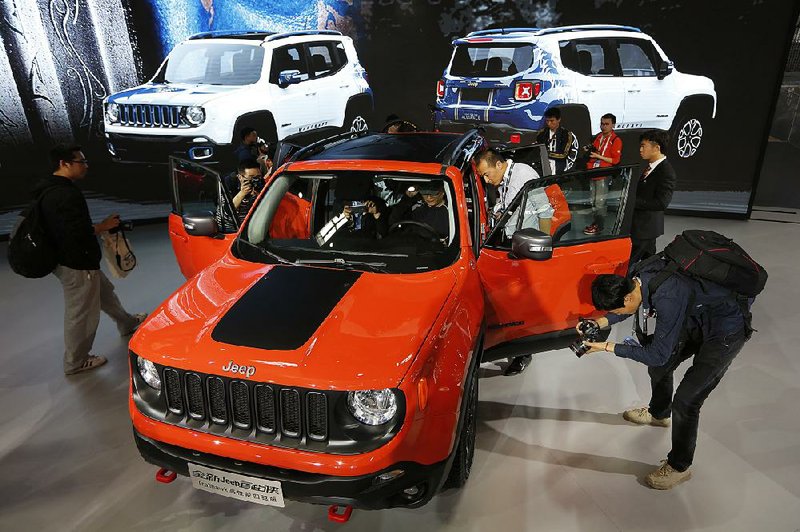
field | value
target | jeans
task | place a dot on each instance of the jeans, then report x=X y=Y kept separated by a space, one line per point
x=711 y=360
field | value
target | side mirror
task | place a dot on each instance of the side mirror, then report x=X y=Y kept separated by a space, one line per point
x=665 y=69
x=288 y=77
x=532 y=244
x=200 y=224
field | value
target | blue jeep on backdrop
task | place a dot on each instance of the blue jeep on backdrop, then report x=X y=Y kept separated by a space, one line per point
x=504 y=79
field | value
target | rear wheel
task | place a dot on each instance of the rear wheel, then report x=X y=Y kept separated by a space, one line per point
x=686 y=134
x=356 y=117
x=465 y=452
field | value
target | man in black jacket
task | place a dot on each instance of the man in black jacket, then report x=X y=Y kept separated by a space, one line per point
x=694 y=318
x=87 y=290
x=562 y=146
x=653 y=194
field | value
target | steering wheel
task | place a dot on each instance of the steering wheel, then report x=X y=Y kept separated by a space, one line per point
x=422 y=225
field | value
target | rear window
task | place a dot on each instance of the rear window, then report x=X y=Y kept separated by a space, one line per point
x=491 y=60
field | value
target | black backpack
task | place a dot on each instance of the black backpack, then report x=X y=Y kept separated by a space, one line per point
x=710 y=256
x=31 y=251
x=716 y=258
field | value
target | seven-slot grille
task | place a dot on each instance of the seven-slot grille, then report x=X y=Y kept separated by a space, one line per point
x=145 y=115
x=246 y=405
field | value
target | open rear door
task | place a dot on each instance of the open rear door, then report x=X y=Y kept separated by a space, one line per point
x=198 y=190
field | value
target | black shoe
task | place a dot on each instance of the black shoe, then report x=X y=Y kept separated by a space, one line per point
x=517 y=365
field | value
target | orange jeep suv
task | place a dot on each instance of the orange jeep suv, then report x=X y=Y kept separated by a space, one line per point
x=328 y=349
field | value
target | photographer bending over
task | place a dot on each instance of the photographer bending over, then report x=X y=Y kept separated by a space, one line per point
x=694 y=318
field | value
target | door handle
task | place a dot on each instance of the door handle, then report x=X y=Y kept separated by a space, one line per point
x=603 y=268
x=634 y=90
x=344 y=86
x=311 y=94
x=588 y=90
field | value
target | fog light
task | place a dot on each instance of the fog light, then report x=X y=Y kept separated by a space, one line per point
x=413 y=491
x=201 y=153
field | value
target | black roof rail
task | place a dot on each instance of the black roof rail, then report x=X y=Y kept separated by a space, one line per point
x=278 y=36
x=451 y=156
x=588 y=27
x=319 y=146
x=502 y=31
x=240 y=34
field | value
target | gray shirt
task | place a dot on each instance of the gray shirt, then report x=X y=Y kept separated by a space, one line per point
x=537 y=205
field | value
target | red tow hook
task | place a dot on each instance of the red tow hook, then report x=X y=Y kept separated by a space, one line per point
x=166 y=476
x=336 y=517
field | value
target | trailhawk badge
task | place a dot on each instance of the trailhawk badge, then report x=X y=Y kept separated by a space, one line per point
x=247 y=371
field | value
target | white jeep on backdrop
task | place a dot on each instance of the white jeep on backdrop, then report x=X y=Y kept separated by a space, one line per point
x=505 y=79
x=214 y=84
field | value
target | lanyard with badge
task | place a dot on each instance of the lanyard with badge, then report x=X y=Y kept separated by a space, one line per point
x=604 y=143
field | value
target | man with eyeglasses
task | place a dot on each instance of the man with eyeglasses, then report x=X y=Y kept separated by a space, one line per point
x=510 y=178
x=604 y=152
x=87 y=290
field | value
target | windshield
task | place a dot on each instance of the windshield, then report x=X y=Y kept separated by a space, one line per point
x=386 y=223
x=213 y=63
x=492 y=60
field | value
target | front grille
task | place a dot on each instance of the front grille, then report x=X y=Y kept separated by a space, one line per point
x=146 y=115
x=212 y=403
x=475 y=95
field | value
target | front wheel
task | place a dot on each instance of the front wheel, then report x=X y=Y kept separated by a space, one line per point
x=465 y=452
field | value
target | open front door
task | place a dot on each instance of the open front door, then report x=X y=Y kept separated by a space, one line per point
x=198 y=191
x=526 y=298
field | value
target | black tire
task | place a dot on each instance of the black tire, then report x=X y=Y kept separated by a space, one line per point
x=356 y=117
x=465 y=452
x=686 y=133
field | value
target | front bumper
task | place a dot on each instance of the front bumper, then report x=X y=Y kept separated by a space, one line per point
x=157 y=149
x=364 y=491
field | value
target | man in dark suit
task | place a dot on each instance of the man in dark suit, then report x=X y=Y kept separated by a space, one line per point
x=653 y=194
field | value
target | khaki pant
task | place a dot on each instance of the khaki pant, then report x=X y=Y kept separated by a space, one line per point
x=86 y=293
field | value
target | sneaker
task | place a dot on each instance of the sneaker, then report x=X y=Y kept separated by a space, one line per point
x=591 y=229
x=666 y=477
x=517 y=365
x=642 y=416
x=139 y=317
x=90 y=363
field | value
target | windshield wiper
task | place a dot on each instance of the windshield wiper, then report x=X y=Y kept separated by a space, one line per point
x=345 y=264
x=265 y=252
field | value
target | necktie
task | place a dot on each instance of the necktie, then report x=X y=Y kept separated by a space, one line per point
x=645 y=173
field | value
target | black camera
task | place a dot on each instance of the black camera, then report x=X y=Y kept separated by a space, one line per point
x=124 y=225
x=589 y=148
x=590 y=332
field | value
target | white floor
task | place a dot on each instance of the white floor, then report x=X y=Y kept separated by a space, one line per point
x=553 y=454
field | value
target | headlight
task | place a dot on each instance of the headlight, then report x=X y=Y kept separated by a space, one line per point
x=195 y=115
x=149 y=373
x=112 y=112
x=372 y=407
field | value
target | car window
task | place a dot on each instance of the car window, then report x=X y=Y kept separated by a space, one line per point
x=635 y=61
x=321 y=60
x=588 y=57
x=198 y=190
x=404 y=223
x=213 y=64
x=288 y=58
x=492 y=60
x=577 y=200
x=340 y=54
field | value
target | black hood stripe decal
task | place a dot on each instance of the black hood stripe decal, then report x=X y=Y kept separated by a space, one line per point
x=284 y=308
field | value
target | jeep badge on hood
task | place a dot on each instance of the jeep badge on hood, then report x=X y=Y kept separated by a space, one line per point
x=247 y=371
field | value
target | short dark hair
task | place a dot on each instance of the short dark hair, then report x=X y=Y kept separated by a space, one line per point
x=491 y=156
x=63 y=152
x=245 y=131
x=247 y=164
x=609 y=291
x=610 y=117
x=553 y=112
x=656 y=136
